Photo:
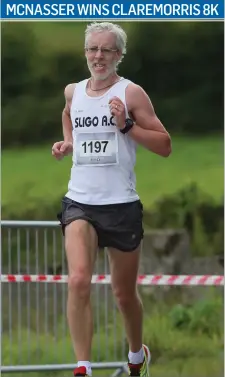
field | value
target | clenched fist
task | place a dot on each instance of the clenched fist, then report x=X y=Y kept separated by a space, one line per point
x=61 y=149
x=117 y=110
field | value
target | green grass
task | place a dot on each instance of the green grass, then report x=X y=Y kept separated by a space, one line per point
x=175 y=352
x=192 y=160
x=194 y=367
x=31 y=174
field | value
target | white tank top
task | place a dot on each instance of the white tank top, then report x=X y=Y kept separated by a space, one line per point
x=103 y=158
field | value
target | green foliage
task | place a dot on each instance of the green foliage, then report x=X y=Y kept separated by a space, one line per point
x=38 y=182
x=181 y=67
x=185 y=83
x=203 y=318
x=206 y=318
x=192 y=209
x=180 y=316
x=194 y=349
x=33 y=87
x=17 y=61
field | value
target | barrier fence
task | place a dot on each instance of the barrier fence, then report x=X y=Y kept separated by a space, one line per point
x=35 y=334
x=183 y=280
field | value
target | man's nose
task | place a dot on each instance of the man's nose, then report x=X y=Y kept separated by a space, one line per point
x=99 y=53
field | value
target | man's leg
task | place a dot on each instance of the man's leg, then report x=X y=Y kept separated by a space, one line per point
x=124 y=268
x=81 y=248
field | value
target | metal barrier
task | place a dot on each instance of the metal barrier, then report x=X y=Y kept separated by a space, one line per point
x=35 y=334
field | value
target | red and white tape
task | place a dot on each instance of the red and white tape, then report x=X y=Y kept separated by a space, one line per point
x=182 y=280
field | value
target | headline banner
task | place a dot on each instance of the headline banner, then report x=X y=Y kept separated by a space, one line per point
x=113 y=10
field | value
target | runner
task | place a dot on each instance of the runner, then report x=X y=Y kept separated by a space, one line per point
x=105 y=117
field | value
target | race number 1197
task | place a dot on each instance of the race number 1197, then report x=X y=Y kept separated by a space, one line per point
x=94 y=147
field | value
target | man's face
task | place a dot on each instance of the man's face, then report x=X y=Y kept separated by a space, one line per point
x=102 y=54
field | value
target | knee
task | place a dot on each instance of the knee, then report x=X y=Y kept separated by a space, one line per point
x=124 y=298
x=79 y=284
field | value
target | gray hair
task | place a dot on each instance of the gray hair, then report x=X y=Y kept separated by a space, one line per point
x=98 y=27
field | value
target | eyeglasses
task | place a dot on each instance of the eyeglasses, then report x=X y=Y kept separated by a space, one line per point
x=104 y=51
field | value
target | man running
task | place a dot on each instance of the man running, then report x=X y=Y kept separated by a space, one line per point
x=105 y=117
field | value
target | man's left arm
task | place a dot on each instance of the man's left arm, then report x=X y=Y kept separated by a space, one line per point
x=147 y=130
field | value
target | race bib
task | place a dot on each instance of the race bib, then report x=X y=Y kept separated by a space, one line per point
x=96 y=148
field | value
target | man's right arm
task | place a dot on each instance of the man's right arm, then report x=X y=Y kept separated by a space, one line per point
x=66 y=119
x=65 y=147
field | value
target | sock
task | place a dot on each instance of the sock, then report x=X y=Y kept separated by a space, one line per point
x=136 y=357
x=85 y=364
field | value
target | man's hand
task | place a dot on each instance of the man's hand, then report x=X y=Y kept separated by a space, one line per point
x=117 y=110
x=61 y=149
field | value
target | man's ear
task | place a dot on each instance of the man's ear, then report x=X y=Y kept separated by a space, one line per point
x=119 y=55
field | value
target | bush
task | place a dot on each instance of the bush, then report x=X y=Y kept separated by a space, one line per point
x=189 y=208
x=18 y=55
x=185 y=84
x=195 y=211
x=205 y=317
x=33 y=89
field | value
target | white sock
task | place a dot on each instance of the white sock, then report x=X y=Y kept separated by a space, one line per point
x=87 y=365
x=136 y=357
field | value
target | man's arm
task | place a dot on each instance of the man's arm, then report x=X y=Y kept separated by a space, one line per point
x=66 y=120
x=148 y=130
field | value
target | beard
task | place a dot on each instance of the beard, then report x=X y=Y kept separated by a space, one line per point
x=102 y=76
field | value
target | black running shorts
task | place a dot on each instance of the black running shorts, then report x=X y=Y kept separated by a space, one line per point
x=117 y=225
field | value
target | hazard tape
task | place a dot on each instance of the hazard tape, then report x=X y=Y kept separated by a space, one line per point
x=183 y=280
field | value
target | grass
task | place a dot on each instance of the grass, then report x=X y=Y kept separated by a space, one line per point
x=32 y=174
x=176 y=352
x=191 y=367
